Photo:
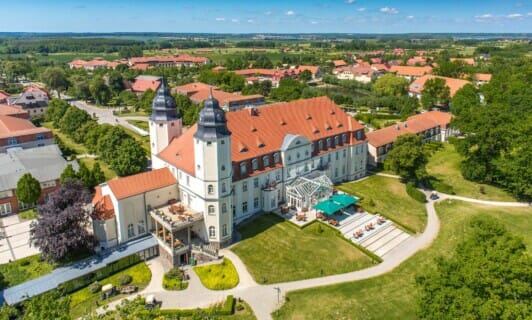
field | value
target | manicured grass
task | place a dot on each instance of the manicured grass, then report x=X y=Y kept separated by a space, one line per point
x=140 y=124
x=108 y=172
x=29 y=214
x=69 y=143
x=140 y=113
x=445 y=166
x=23 y=270
x=83 y=301
x=388 y=197
x=173 y=280
x=394 y=295
x=275 y=250
x=218 y=276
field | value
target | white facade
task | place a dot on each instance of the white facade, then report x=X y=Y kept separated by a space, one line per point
x=162 y=133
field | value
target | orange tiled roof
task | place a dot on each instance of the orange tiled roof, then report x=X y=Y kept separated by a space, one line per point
x=312 y=69
x=339 y=63
x=199 y=92
x=219 y=68
x=357 y=70
x=379 y=67
x=142 y=85
x=183 y=58
x=13 y=126
x=34 y=88
x=315 y=118
x=453 y=84
x=103 y=205
x=482 y=77
x=126 y=187
x=469 y=61
x=14 y=111
x=4 y=95
x=411 y=71
x=255 y=71
x=414 y=124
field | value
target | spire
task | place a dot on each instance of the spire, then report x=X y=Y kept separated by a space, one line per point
x=163 y=106
x=212 y=123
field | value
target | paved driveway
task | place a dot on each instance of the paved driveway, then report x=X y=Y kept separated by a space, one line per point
x=14 y=239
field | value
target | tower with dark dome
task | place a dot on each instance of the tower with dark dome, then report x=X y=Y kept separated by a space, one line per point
x=213 y=169
x=165 y=121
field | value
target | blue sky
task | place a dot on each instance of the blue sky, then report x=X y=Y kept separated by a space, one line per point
x=346 y=16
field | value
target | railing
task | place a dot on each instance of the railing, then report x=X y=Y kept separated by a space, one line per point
x=209 y=249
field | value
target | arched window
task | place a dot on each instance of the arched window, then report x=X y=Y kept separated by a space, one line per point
x=254 y=164
x=276 y=158
x=266 y=161
x=320 y=145
x=224 y=230
x=130 y=230
x=329 y=141
x=243 y=169
x=210 y=189
x=211 y=209
x=212 y=232
x=336 y=140
x=224 y=208
x=344 y=138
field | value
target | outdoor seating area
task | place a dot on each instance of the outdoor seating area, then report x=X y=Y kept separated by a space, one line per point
x=336 y=208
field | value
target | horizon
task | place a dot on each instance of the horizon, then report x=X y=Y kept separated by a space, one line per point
x=274 y=17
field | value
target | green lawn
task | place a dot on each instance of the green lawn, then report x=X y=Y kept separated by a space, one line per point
x=394 y=295
x=83 y=301
x=69 y=143
x=29 y=214
x=23 y=270
x=89 y=162
x=173 y=280
x=220 y=276
x=140 y=124
x=388 y=197
x=275 y=250
x=140 y=113
x=445 y=166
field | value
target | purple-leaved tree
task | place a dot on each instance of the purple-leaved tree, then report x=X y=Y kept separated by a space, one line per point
x=61 y=230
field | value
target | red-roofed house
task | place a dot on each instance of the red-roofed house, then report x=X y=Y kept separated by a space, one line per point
x=143 y=83
x=409 y=72
x=432 y=126
x=259 y=75
x=94 y=64
x=481 y=78
x=416 y=61
x=22 y=134
x=34 y=99
x=169 y=61
x=398 y=51
x=3 y=96
x=339 y=63
x=454 y=85
x=468 y=61
x=13 y=111
x=360 y=73
x=199 y=92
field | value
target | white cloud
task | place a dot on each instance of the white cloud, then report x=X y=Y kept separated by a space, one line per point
x=290 y=13
x=220 y=19
x=361 y=9
x=268 y=13
x=514 y=16
x=349 y=1
x=485 y=16
x=251 y=20
x=234 y=20
x=389 y=10
x=410 y=17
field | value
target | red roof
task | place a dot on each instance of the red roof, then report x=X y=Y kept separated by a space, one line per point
x=13 y=111
x=339 y=63
x=140 y=183
x=34 y=88
x=468 y=61
x=199 y=92
x=482 y=77
x=411 y=71
x=312 y=69
x=13 y=126
x=4 y=95
x=454 y=84
x=103 y=205
x=414 y=124
x=142 y=85
x=141 y=66
x=183 y=58
x=357 y=70
x=264 y=132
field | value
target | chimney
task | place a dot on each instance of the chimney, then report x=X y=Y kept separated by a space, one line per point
x=405 y=125
x=397 y=127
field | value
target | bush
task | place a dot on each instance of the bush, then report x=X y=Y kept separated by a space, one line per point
x=239 y=307
x=414 y=193
x=124 y=279
x=24 y=263
x=441 y=186
x=94 y=287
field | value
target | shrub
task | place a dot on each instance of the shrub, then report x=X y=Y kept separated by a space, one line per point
x=239 y=307
x=94 y=287
x=124 y=279
x=24 y=263
x=441 y=186
x=415 y=193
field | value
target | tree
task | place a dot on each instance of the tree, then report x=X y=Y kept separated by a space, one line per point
x=61 y=230
x=28 y=189
x=288 y=90
x=99 y=91
x=435 y=92
x=130 y=158
x=85 y=175
x=80 y=87
x=407 y=158
x=390 y=85
x=50 y=305
x=68 y=174
x=55 y=79
x=73 y=119
x=488 y=277
x=108 y=143
x=145 y=101
x=55 y=111
x=465 y=98
x=115 y=82
x=305 y=75
x=97 y=174
x=128 y=98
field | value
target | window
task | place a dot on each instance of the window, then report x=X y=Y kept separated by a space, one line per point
x=256 y=183
x=312 y=147
x=244 y=186
x=329 y=142
x=243 y=169
x=188 y=180
x=224 y=230
x=256 y=203
x=223 y=168
x=345 y=153
x=344 y=138
x=211 y=209
x=328 y=158
x=254 y=164
x=212 y=232
x=224 y=208
x=222 y=141
x=336 y=140
x=336 y=172
x=223 y=187
x=276 y=158
x=141 y=227
x=278 y=176
x=130 y=230
x=48 y=184
x=266 y=161
x=298 y=155
x=320 y=145
x=245 y=206
x=337 y=155
x=359 y=135
x=5 y=208
x=12 y=141
x=40 y=136
x=210 y=189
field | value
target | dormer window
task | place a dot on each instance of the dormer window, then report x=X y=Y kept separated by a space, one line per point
x=329 y=142
x=344 y=138
x=320 y=145
x=336 y=140
x=266 y=161
x=243 y=169
x=254 y=164
x=276 y=158
x=359 y=135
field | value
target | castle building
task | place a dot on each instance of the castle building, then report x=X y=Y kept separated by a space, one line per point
x=230 y=166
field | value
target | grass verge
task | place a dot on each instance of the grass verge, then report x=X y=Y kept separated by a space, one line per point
x=29 y=214
x=23 y=270
x=221 y=276
x=139 y=124
x=173 y=280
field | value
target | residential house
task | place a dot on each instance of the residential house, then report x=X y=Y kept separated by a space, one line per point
x=17 y=132
x=33 y=99
x=143 y=83
x=468 y=61
x=169 y=61
x=95 y=64
x=417 y=61
x=481 y=78
x=13 y=111
x=398 y=51
x=409 y=72
x=454 y=85
x=259 y=75
x=360 y=73
x=339 y=63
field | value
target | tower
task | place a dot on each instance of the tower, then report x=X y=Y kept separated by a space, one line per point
x=165 y=121
x=212 y=157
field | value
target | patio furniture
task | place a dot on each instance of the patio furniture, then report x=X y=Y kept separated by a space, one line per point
x=333 y=222
x=319 y=216
x=176 y=243
x=381 y=220
x=300 y=217
x=128 y=289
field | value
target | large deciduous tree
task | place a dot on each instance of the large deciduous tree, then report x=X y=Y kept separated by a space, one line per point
x=50 y=305
x=68 y=174
x=28 y=189
x=55 y=111
x=61 y=230
x=435 y=92
x=407 y=158
x=465 y=98
x=130 y=159
x=489 y=277
x=99 y=91
x=73 y=119
x=55 y=79
x=390 y=85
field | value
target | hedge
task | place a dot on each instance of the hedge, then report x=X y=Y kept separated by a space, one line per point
x=414 y=193
x=112 y=268
x=226 y=309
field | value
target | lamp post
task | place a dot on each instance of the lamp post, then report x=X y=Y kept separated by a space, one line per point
x=278 y=289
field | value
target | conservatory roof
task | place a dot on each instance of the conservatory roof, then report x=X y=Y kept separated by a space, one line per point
x=306 y=186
